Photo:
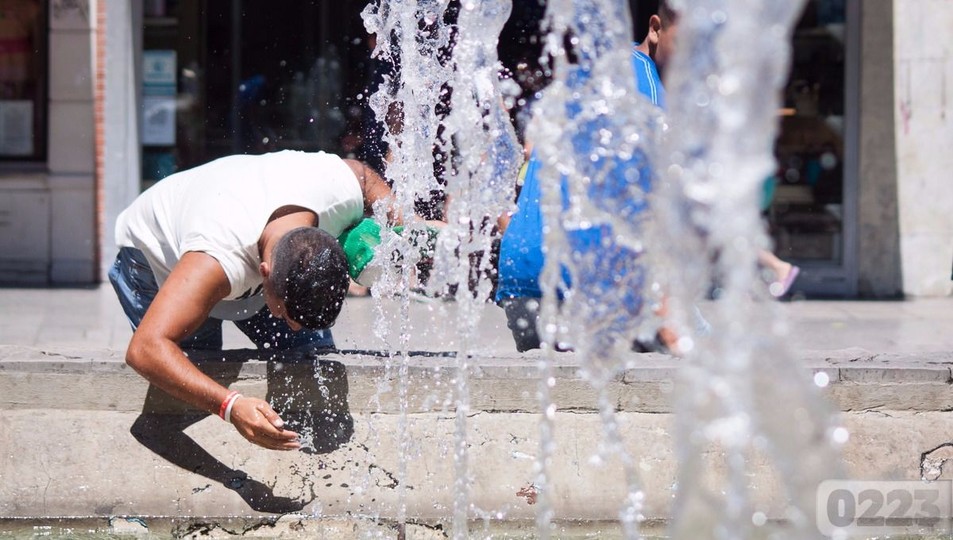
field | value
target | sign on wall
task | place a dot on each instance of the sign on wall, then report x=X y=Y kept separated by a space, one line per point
x=16 y=127
x=158 y=97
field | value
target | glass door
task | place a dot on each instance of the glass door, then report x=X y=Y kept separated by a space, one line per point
x=248 y=77
x=810 y=201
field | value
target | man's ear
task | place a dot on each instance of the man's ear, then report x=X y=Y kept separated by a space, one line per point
x=655 y=26
x=265 y=269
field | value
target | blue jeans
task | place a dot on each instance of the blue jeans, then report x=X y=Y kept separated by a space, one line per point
x=136 y=287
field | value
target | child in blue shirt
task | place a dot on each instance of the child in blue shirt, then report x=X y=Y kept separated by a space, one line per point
x=521 y=255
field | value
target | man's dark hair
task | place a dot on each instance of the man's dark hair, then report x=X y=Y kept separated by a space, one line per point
x=666 y=13
x=309 y=272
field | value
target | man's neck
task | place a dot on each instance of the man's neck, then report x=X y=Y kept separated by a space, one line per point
x=283 y=221
x=644 y=48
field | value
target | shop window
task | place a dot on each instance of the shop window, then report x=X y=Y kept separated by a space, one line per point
x=23 y=38
x=250 y=77
x=804 y=199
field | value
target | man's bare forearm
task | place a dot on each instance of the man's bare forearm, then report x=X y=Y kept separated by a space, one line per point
x=165 y=365
x=374 y=188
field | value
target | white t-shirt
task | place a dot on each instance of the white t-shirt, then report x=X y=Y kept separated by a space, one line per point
x=222 y=207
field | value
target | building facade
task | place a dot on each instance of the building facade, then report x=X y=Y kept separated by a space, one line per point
x=48 y=211
x=101 y=98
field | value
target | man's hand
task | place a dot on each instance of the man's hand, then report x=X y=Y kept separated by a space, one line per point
x=260 y=424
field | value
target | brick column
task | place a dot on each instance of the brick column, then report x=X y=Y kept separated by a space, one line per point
x=99 y=98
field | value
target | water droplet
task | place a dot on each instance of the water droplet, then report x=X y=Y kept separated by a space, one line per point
x=759 y=519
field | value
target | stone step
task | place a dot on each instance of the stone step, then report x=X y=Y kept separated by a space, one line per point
x=98 y=379
x=82 y=435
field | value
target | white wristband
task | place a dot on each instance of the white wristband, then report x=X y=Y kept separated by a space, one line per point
x=228 y=408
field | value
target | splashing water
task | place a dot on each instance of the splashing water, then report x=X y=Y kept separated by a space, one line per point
x=480 y=188
x=600 y=144
x=413 y=36
x=743 y=390
x=594 y=133
x=480 y=182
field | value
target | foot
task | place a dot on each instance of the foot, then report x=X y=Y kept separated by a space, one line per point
x=784 y=282
x=665 y=342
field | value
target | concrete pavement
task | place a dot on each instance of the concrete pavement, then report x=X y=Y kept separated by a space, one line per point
x=92 y=318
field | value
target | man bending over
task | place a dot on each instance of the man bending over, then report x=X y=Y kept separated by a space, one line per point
x=251 y=239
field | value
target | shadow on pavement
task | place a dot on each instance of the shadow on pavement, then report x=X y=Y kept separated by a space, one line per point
x=309 y=394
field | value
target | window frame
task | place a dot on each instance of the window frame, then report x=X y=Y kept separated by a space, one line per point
x=41 y=96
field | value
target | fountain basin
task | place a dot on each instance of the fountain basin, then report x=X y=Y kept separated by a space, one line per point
x=83 y=437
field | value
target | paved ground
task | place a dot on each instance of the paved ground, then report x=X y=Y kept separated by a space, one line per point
x=92 y=318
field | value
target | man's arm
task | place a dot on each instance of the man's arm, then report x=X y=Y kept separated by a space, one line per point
x=181 y=306
x=374 y=189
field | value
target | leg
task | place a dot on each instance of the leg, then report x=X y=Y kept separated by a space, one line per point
x=772 y=262
x=784 y=272
x=267 y=332
x=136 y=287
x=522 y=316
x=134 y=283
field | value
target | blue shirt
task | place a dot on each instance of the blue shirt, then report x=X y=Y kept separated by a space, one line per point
x=521 y=253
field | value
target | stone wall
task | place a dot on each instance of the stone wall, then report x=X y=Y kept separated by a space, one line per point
x=71 y=159
x=48 y=210
x=94 y=440
x=878 y=238
x=923 y=66
x=121 y=168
